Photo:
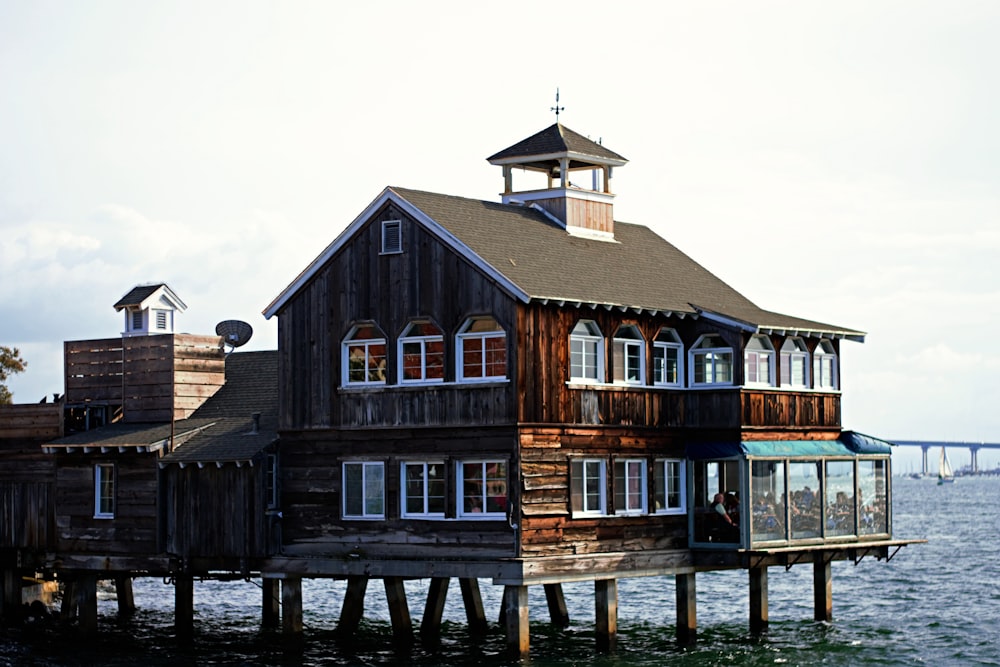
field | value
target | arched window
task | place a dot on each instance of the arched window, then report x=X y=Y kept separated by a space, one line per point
x=711 y=361
x=758 y=362
x=363 y=356
x=794 y=363
x=586 y=358
x=668 y=355
x=482 y=350
x=421 y=353
x=824 y=366
x=628 y=353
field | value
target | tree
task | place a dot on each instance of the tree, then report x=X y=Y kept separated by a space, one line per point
x=10 y=363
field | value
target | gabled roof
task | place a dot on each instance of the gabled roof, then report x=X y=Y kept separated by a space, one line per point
x=557 y=140
x=532 y=258
x=141 y=296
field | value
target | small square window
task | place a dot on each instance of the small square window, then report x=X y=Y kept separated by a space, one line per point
x=392 y=236
x=161 y=319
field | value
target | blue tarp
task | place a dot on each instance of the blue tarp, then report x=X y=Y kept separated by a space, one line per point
x=849 y=444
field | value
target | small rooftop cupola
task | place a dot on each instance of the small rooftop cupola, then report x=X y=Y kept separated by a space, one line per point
x=577 y=171
x=149 y=310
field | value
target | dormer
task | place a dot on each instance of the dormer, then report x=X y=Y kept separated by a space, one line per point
x=149 y=310
x=577 y=179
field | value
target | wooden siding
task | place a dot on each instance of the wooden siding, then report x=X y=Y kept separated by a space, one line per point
x=779 y=408
x=27 y=483
x=154 y=378
x=311 y=494
x=426 y=280
x=31 y=421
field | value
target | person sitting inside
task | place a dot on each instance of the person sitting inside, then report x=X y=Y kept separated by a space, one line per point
x=723 y=527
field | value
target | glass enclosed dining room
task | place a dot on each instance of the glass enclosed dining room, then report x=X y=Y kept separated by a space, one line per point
x=760 y=494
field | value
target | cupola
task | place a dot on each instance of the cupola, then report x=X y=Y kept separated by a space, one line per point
x=577 y=186
x=149 y=310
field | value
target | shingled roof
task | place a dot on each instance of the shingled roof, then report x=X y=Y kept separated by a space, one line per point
x=557 y=139
x=140 y=293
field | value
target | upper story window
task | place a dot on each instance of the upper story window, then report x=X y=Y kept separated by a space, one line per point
x=824 y=366
x=711 y=361
x=628 y=353
x=104 y=491
x=794 y=363
x=421 y=353
x=392 y=236
x=364 y=356
x=483 y=487
x=423 y=489
x=667 y=359
x=758 y=362
x=630 y=486
x=136 y=320
x=482 y=350
x=586 y=361
x=668 y=487
x=588 y=487
x=364 y=490
x=161 y=320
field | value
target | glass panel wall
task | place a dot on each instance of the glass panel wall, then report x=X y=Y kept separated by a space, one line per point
x=839 y=493
x=805 y=509
x=716 y=504
x=767 y=502
x=872 y=497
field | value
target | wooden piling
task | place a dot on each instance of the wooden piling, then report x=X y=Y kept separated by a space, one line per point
x=354 y=605
x=822 y=588
x=758 y=599
x=123 y=591
x=399 y=611
x=85 y=594
x=270 y=602
x=68 y=607
x=183 y=605
x=687 y=608
x=606 y=607
x=291 y=606
x=474 y=613
x=556 y=602
x=515 y=607
x=430 y=624
x=10 y=604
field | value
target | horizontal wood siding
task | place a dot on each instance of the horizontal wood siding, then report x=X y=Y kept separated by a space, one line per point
x=31 y=421
x=27 y=485
x=311 y=494
x=772 y=409
x=428 y=281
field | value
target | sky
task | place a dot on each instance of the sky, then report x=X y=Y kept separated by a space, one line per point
x=833 y=161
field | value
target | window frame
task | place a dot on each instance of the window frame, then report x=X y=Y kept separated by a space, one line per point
x=820 y=357
x=763 y=356
x=391 y=230
x=788 y=358
x=585 y=341
x=485 y=514
x=423 y=341
x=624 y=493
x=638 y=344
x=350 y=341
x=665 y=346
x=465 y=337
x=272 y=493
x=105 y=478
x=681 y=476
x=709 y=352
x=578 y=487
x=404 y=495
x=365 y=515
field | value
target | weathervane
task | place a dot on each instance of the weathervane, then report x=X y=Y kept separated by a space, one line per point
x=557 y=108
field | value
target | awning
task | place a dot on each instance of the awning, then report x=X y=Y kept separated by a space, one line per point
x=849 y=444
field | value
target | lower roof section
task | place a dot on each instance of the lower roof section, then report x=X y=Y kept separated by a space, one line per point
x=849 y=444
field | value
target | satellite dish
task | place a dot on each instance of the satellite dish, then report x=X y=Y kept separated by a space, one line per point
x=234 y=333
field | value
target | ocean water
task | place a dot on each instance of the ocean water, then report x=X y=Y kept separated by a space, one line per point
x=933 y=604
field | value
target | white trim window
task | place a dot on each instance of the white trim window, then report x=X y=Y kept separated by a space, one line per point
x=711 y=361
x=758 y=362
x=794 y=363
x=668 y=356
x=271 y=481
x=392 y=237
x=104 y=491
x=423 y=489
x=481 y=351
x=421 y=353
x=669 y=495
x=586 y=361
x=588 y=487
x=483 y=489
x=364 y=490
x=825 y=366
x=631 y=491
x=628 y=355
x=363 y=356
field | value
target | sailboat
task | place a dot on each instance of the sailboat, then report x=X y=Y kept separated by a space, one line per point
x=945 y=474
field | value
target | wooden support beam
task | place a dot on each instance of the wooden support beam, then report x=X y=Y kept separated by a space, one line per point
x=822 y=588
x=184 y=606
x=291 y=606
x=399 y=611
x=557 y=605
x=474 y=613
x=10 y=603
x=85 y=594
x=758 y=599
x=270 y=602
x=123 y=591
x=687 y=608
x=606 y=607
x=430 y=624
x=354 y=605
x=515 y=613
x=68 y=608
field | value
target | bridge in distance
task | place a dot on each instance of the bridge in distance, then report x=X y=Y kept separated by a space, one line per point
x=927 y=445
